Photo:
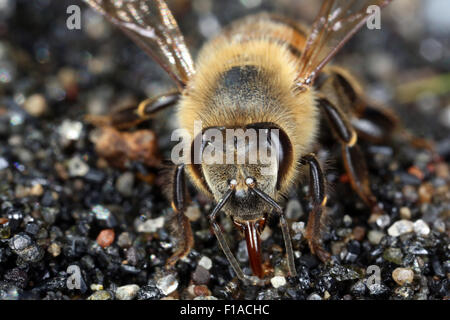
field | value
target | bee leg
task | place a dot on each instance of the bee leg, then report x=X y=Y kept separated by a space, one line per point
x=314 y=227
x=179 y=206
x=375 y=125
x=354 y=162
x=131 y=116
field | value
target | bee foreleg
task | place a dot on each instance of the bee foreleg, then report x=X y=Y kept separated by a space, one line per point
x=133 y=115
x=318 y=193
x=179 y=206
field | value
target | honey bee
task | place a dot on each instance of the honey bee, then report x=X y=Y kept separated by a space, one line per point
x=264 y=72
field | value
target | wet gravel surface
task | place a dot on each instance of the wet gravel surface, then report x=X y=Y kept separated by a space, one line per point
x=65 y=211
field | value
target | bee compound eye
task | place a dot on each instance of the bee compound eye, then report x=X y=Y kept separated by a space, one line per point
x=249 y=181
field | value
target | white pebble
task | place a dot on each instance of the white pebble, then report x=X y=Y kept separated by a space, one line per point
x=401 y=227
x=193 y=213
x=278 y=281
x=127 y=292
x=403 y=275
x=298 y=227
x=77 y=167
x=167 y=284
x=294 y=209
x=96 y=287
x=36 y=105
x=3 y=163
x=70 y=130
x=421 y=228
x=383 y=221
x=205 y=262
x=439 y=225
x=375 y=236
x=314 y=296
x=347 y=220
x=405 y=213
x=151 y=225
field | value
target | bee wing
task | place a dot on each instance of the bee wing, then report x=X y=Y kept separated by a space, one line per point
x=336 y=23
x=152 y=26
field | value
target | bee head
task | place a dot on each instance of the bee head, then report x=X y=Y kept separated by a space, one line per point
x=251 y=167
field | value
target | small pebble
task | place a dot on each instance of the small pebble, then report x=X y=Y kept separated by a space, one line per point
x=127 y=292
x=20 y=242
x=410 y=193
x=193 y=213
x=394 y=255
x=36 y=190
x=439 y=225
x=77 y=167
x=3 y=163
x=405 y=213
x=421 y=228
x=294 y=210
x=54 y=249
x=375 y=236
x=124 y=184
x=278 y=281
x=201 y=290
x=151 y=225
x=149 y=292
x=314 y=296
x=124 y=240
x=359 y=288
x=426 y=192
x=201 y=275
x=100 y=295
x=403 y=276
x=70 y=131
x=403 y=293
x=105 y=238
x=299 y=230
x=401 y=227
x=96 y=287
x=205 y=262
x=167 y=284
x=377 y=289
x=442 y=169
x=104 y=216
x=298 y=227
x=383 y=221
x=347 y=220
x=36 y=105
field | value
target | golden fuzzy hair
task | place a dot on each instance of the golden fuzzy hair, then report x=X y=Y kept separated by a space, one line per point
x=293 y=111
